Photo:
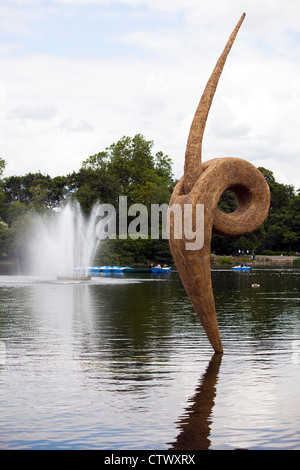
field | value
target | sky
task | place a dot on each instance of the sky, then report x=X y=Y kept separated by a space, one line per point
x=78 y=75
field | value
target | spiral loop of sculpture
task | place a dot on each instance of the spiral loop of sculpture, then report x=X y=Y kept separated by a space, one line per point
x=204 y=183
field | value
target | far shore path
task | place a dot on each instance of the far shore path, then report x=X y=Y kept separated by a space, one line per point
x=262 y=257
x=270 y=260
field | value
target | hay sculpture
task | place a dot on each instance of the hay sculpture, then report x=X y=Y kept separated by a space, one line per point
x=204 y=183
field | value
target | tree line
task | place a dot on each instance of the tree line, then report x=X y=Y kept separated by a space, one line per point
x=129 y=168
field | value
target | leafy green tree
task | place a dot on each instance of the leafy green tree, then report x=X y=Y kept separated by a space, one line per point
x=96 y=162
x=124 y=252
x=4 y=238
x=280 y=194
x=151 y=193
x=20 y=234
x=90 y=185
x=125 y=168
x=2 y=166
x=34 y=190
x=163 y=168
x=294 y=214
x=4 y=230
x=290 y=238
x=283 y=215
x=274 y=236
x=15 y=210
x=131 y=163
x=228 y=202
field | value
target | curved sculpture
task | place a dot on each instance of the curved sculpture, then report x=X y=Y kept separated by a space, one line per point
x=204 y=183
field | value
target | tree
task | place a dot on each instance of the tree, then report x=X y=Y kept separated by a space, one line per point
x=91 y=185
x=96 y=162
x=131 y=162
x=4 y=238
x=142 y=177
x=283 y=216
x=49 y=191
x=289 y=238
x=228 y=202
x=163 y=167
x=4 y=231
x=294 y=214
x=274 y=236
x=2 y=166
x=15 y=210
x=151 y=193
x=125 y=168
x=280 y=193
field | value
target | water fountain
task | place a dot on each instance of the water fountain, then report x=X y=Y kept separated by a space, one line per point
x=64 y=243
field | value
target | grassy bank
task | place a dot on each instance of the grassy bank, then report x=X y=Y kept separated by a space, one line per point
x=260 y=260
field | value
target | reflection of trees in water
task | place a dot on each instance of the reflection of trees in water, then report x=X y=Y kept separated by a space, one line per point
x=139 y=322
x=195 y=424
x=139 y=315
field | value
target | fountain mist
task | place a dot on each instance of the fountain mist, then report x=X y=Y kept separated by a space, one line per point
x=62 y=241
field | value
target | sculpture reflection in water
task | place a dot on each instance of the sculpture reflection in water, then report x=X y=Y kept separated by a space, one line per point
x=204 y=183
x=195 y=424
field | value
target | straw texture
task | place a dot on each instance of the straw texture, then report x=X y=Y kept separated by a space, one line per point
x=204 y=183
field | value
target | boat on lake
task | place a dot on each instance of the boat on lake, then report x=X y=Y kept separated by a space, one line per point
x=152 y=270
x=123 y=269
x=137 y=270
x=241 y=268
x=160 y=270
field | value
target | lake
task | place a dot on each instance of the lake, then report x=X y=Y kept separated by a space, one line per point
x=123 y=363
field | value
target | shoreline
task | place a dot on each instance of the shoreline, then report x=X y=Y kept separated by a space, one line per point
x=260 y=260
x=9 y=265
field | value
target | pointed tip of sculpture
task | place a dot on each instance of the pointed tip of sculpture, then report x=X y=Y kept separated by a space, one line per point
x=241 y=19
x=193 y=156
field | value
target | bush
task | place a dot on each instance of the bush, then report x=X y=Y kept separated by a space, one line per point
x=226 y=260
x=118 y=252
x=276 y=253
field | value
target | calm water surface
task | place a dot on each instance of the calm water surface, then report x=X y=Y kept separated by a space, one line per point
x=123 y=363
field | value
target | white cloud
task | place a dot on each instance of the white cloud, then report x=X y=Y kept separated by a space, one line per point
x=69 y=126
x=58 y=109
x=25 y=113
